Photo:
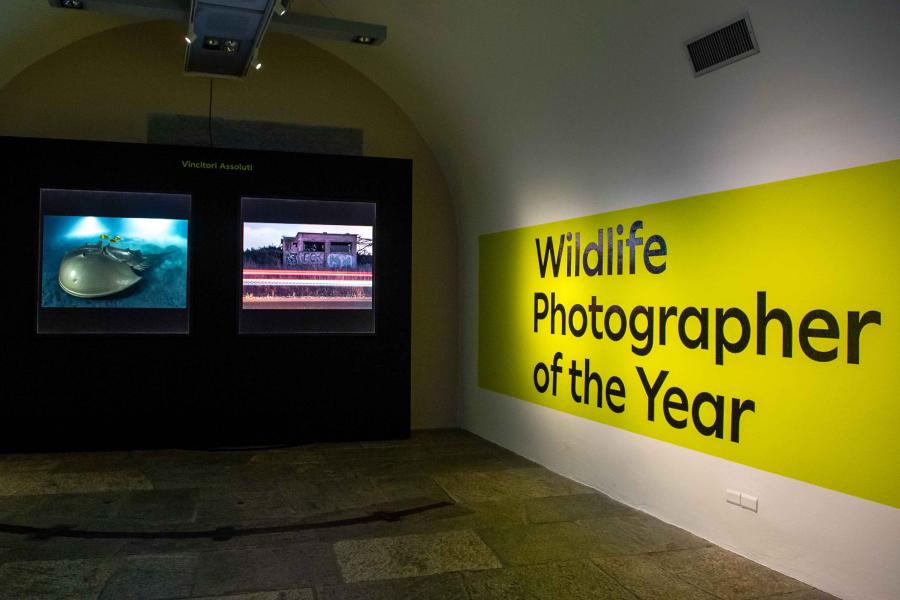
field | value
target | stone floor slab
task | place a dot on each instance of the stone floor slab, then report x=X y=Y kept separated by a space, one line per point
x=570 y=581
x=188 y=477
x=413 y=555
x=287 y=456
x=28 y=462
x=151 y=578
x=394 y=489
x=727 y=575
x=208 y=545
x=45 y=510
x=636 y=534
x=644 y=576
x=431 y=437
x=304 y=594
x=507 y=484
x=536 y=544
x=30 y=483
x=479 y=515
x=27 y=548
x=435 y=587
x=156 y=508
x=80 y=509
x=574 y=507
x=80 y=462
x=309 y=498
x=260 y=569
x=807 y=594
x=437 y=464
x=75 y=579
x=340 y=525
x=243 y=508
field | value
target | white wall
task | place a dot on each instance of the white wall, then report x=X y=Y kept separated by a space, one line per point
x=605 y=117
x=823 y=94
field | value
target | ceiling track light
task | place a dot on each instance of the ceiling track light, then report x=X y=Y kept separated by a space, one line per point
x=213 y=50
x=282 y=7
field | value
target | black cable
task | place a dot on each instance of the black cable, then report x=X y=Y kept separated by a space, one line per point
x=210 y=113
x=322 y=2
x=220 y=533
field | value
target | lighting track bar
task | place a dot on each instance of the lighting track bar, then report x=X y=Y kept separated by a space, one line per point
x=308 y=26
x=330 y=29
x=170 y=10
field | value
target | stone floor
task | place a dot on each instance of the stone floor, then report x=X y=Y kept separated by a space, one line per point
x=443 y=516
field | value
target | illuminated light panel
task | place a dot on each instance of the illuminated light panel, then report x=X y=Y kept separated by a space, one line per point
x=88 y=227
x=149 y=228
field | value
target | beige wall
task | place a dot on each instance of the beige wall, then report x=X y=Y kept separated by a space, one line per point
x=105 y=86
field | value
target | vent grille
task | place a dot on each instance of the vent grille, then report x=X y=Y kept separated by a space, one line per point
x=722 y=47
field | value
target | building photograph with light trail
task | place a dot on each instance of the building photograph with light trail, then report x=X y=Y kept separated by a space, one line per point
x=307 y=266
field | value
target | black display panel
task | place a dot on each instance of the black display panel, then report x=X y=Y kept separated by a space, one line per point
x=206 y=385
x=308 y=266
x=113 y=262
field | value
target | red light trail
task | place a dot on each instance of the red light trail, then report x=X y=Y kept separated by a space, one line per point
x=295 y=273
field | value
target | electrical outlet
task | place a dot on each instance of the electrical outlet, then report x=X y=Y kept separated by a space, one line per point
x=749 y=502
x=742 y=499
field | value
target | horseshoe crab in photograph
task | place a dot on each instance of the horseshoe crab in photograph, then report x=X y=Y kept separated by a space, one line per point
x=97 y=270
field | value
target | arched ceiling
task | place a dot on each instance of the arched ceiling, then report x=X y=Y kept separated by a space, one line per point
x=438 y=64
x=598 y=92
x=31 y=30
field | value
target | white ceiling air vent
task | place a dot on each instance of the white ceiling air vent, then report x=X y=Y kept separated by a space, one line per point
x=722 y=47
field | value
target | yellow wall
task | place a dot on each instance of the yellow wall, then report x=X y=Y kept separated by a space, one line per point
x=807 y=394
x=105 y=86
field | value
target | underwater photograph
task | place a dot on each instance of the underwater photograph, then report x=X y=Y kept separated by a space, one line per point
x=307 y=266
x=114 y=262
